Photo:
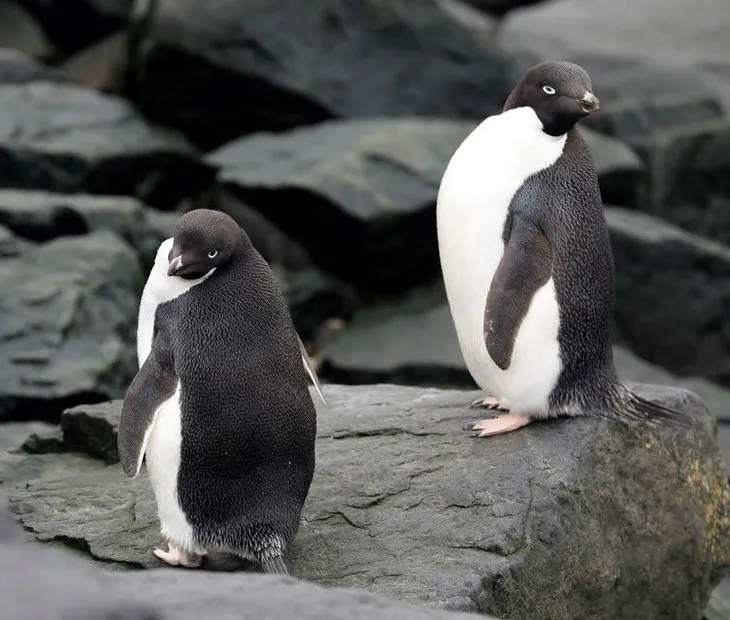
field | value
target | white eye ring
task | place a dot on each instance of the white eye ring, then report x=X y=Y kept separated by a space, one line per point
x=213 y=254
x=549 y=90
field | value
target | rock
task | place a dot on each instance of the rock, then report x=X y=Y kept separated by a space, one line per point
x=385 y=344
x=498 y=9
x=415 y=520
x=19 y=68
x=374 y=181
x=14 y=434
x=68 y=317
x=68 y=139
x=672 y=295
x=220 y=72
x=19 y=31
x=41 y=216
x=719 y=606
x=10 y=245
x=72 y=25
x=72 y=590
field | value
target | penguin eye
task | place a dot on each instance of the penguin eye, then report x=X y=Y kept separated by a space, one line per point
x=548 y=90
x=212 y=253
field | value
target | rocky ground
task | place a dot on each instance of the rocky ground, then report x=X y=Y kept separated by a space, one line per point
x=324 y=133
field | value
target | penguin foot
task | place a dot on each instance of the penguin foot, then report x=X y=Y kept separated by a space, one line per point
x=177 y=557
x=489 y=403
x=502 y=424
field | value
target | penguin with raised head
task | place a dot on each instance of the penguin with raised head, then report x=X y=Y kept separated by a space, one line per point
x=527 y=262
x=220 y=407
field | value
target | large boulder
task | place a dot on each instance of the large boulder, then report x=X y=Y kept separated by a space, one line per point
x=407 y=504
x=374 y=182
x=68 y=316
x=221 y=70
x=672 y=295
x=67 y=138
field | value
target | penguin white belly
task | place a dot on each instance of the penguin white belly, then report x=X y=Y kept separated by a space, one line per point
x=163 y=465
x=484 y=174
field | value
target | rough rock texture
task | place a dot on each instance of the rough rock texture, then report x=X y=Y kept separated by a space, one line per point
x=221 y=71
x=672 y=295
x=385 y=344
x=405 y=503
x=66 y=138
x=71 y=590
x=67 y=321
x=375 y=182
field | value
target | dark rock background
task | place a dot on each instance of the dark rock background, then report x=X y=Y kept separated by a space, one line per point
x=323 y=128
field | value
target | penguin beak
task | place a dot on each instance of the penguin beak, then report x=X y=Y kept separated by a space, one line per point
x=589 y=103
x=176 y=265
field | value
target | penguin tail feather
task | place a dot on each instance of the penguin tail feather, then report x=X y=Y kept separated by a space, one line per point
x=642 y=410
x=275 y=565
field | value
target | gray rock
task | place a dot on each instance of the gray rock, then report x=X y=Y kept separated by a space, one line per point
x=240 y=67
x=14 y=434
x=385 y=344
x=72 y=590
x=375 y=181
x=11 y=246
x=719 y=605
x=672 y=295
x=19 y=31
x=406 y=504
x=69 y=139
x=67 y=323
x=19 y=68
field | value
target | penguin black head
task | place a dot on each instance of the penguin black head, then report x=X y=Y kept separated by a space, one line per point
x=559 y=92
x=202 y=240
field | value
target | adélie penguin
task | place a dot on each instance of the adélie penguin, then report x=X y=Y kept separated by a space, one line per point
x=527 y=263
x=220 y=408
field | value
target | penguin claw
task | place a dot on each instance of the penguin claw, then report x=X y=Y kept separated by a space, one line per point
x=178 y=557
x=502 y=424
x=489 y=403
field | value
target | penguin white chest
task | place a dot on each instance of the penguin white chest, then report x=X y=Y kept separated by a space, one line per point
x=476 y=191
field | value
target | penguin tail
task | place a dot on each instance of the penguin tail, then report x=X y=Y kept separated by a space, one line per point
x=275 y=565
x=639 y=409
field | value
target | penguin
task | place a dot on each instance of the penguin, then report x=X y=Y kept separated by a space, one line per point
x=527 y=261
x=220 y=409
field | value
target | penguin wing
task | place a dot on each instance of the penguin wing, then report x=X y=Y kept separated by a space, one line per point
x=525 y=266
x=152 y=386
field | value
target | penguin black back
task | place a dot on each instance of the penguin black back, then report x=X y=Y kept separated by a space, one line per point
x=248 y=422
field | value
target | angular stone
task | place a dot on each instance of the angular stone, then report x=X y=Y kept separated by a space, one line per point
x=19 y=31
x=672 y=295
x=430 y=515
x=216 y=80
x=67 y=323
x=68 y=139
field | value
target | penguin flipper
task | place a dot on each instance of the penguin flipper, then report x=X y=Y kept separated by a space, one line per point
x=526 y=265
x=275 y=565
x=152 y=386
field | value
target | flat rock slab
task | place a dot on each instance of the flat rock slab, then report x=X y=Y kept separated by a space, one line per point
x=68 y=315
x=67 y=138
x=407 y=504
x=375 y=181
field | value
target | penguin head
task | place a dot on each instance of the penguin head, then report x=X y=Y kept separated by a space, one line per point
x=203 y=240
x=559 y=92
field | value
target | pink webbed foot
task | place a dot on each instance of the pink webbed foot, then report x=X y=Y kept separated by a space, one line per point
x=501 y=424
x=490 y=403
x=177 y=557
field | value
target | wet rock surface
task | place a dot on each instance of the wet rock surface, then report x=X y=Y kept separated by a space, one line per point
x=399 y=506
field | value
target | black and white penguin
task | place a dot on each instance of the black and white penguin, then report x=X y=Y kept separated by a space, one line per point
x=220 y=406
x=527 y=263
